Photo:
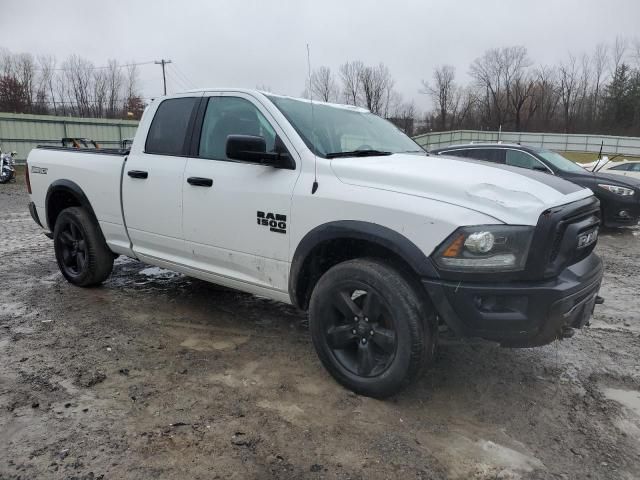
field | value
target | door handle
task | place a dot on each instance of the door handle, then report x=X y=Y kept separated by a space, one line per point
x=200 y=181
x=138 y=174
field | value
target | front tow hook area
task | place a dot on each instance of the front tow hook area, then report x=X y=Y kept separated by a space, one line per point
x=599 y=300
x=567 y=332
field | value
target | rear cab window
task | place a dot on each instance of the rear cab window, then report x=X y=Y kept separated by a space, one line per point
x=169 y=127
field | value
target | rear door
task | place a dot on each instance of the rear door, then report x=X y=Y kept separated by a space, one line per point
x=152 y=182
x=237 y=214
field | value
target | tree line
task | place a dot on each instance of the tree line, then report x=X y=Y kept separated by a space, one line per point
x=591 y=93
x=596 y=92
x=74 y=87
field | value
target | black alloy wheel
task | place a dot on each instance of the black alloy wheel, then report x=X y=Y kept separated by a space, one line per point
x=73 y=248
x=360 y=333
x=372 y=327
x=81 y=251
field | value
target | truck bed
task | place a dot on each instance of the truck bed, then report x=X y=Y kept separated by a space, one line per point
x=97 y=173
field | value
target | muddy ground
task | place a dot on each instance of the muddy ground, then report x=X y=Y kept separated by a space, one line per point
x=156 y=375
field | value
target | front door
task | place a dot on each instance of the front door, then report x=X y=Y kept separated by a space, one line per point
x=237 y=214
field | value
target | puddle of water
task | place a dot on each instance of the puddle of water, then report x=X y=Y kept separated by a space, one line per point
x=627 y=398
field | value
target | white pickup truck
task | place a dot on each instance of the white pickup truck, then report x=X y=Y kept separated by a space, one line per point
x=332 y=209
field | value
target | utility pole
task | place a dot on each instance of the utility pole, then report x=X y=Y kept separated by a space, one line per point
x=163 y=62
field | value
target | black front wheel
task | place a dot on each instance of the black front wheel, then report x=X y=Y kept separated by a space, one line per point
x=371 y=329
x=82 y=254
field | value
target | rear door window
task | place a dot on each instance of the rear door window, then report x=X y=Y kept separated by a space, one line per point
x=494 y=155
x=170 y=126
x=517 y=158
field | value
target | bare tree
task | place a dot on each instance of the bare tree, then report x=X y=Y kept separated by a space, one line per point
x=404 y=115
x=351 y=78
x=546 y=95
x=76 y=84
x=635 y=47
x=377 y=85
x=600 y=59
x=100 y=93
x=569 y=85
x=323 y=85
x=488 y=73
x=114 y=89
x=618 y=52
x=442 y=92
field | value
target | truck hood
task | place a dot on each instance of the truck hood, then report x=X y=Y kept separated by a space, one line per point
x=509 y=194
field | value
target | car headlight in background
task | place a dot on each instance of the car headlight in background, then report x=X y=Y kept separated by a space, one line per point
x=485 y=248
x=618 y=190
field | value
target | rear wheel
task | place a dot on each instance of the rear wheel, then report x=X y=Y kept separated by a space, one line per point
x=82 y=254
x=371 y=329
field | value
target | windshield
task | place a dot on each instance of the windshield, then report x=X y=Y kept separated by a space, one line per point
x=341 y=130
x=560 y=162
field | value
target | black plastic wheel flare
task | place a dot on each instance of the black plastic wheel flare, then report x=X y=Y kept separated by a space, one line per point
x=360 y=332
x=74 y=249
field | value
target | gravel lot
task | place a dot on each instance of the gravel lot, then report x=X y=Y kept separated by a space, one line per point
x=156 y=375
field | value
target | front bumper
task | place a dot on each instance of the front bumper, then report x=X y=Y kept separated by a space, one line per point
x=520 y=314
x=620 y=211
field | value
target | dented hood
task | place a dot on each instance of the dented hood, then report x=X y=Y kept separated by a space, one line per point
x=512 y=195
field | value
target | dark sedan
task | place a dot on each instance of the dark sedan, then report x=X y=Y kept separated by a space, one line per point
x=619 y=195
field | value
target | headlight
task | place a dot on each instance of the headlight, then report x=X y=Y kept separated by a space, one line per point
x=485 y=248
x=618 y=190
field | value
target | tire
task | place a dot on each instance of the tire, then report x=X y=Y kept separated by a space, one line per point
x=371 y=328
x=6 y=177
x=82 y=254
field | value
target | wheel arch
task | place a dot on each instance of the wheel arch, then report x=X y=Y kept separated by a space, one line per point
x=334 y=242
x=62 y=194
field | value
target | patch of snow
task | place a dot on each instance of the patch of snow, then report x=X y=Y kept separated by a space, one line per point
x=157 y=272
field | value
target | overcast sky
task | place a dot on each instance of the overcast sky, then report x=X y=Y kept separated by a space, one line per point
x=245 y=43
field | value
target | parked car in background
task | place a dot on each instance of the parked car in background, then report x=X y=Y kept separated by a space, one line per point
x=619 y=195
x=628 y=169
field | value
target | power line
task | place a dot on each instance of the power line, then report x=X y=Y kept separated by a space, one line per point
x=95 y=68
x=176 y=80
x=184 y=76
x=163 y=62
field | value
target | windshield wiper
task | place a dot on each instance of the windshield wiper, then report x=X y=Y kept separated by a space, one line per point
x=358 y=153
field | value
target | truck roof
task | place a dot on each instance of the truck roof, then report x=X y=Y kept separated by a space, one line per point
x=271 y=94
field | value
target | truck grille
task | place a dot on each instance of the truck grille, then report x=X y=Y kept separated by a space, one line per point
x=557 y=235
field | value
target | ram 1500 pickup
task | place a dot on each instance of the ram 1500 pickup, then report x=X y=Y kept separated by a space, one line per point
x=334 y=210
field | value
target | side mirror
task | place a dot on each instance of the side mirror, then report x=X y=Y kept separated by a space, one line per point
x=250 y=148
x=540 y=168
